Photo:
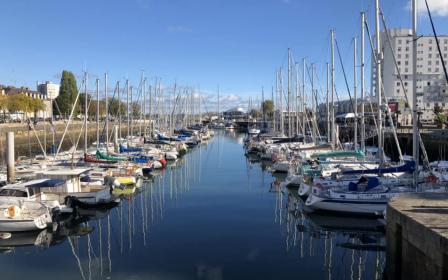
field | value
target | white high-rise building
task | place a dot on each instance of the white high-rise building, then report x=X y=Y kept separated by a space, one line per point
x=50 y=90
x=429 y=68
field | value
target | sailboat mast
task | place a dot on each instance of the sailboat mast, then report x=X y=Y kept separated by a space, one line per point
x=85 y=113
x=127 y=109
x=297 y=107
x=273 y=113
x=355 y=95
x=145 y=93
x=378 y=81
x=363 y=89
x=303 y=97
x=333 y=124
x=289 y=93
x=97 y=113
x=327 y=100
x=277 y=102
x=219 y=116
x=119 y=109
x=415 y=140
x=142 y=92
x=313 y=104
x=262 y=105
x=282 y=120
x=107 y=112
x=131 y=117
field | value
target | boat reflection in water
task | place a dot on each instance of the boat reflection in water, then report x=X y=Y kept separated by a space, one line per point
x=75 y=227
x=353 y=247
x=94 y=238
x=348 y=247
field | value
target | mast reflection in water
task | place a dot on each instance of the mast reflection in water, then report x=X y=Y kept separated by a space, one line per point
x=213 y=214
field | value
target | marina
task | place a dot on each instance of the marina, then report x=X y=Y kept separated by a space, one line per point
x=211 y=215
x=311 y=145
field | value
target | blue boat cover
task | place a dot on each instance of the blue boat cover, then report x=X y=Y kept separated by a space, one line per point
x=408 y=166
x=123 y=149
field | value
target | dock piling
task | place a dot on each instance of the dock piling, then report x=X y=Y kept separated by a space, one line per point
x=10 y=161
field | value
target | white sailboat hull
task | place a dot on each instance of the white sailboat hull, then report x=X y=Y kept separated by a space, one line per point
x=16 y=225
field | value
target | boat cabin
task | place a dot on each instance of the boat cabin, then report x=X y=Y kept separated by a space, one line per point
x=32 y=190
x=71 y=176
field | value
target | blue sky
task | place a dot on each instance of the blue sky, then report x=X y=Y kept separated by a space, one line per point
x=237 y=44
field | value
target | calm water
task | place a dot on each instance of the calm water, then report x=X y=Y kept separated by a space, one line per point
x=212 y=215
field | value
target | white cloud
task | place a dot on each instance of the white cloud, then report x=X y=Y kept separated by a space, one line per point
x=437 y=7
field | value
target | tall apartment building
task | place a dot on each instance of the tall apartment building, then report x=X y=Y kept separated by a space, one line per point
x=429 y=70
x=50 y=90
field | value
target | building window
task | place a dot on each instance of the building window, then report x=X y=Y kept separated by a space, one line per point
x=437 y=62
x=398 y=90
x=429 y=55
x=398 y=83
x=405 y=69
x=437 y=69
x=406 y=62
x=407 y=48
x=407 y=55
x=429 y=62
x=399 y=55
x=399 y=62
x=399 y=41
x=405 y=83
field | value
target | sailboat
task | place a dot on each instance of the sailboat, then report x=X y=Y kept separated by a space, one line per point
x=370 y=193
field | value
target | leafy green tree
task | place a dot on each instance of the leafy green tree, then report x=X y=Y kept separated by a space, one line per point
x=113 y=107
x=255 y=113
x=67 y=94
x=135 y=110
x=93 y=109
x=268 y=108
x=36 y=105
x=4 y=105
x=17 y=103
x=440 y=120
x=82 y=100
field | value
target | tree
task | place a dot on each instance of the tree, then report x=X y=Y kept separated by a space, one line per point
x=82 y=100
x=268 y=108
x=437 y=109
x=17 y=102
x=113 y=107
x=440 y=120
x=93 y=109
x=36 y=105
x=254 y=114
x=135 y=110
x=4 y=105
x=67 y=94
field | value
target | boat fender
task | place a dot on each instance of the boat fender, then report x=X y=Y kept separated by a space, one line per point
x=12 y=211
